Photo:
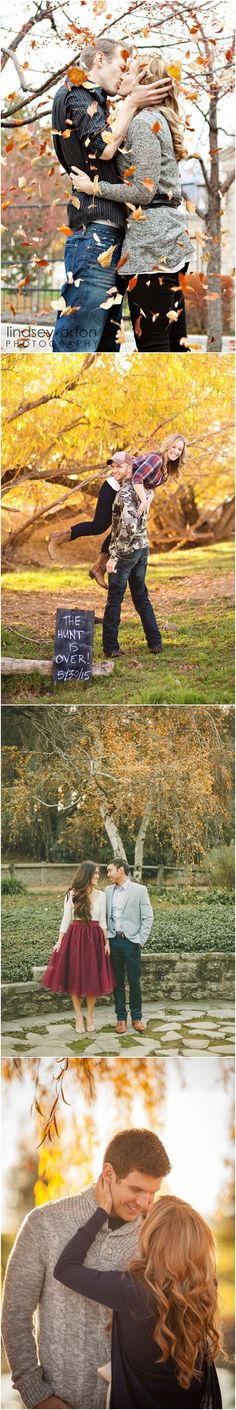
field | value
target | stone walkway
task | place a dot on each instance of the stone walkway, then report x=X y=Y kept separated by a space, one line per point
x=191 y=1030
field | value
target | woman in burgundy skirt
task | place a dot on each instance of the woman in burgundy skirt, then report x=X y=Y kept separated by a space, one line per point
x=80 y=963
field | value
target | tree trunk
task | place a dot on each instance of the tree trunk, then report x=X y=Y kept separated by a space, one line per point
x=140 y=840
x=213 y=225
x=112 y=830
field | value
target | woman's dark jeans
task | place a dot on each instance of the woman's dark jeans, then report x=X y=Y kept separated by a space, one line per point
x=157 y=295
x=131 y=569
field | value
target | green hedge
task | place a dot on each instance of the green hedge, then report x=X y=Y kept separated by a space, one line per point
x=30 y=928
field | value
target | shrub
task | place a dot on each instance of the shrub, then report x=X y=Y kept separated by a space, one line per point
x=11 y=887
x=219 y=866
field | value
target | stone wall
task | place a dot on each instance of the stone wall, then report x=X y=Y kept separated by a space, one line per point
x=183 y=978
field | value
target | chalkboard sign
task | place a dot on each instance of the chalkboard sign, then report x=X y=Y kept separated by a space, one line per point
x=72 y=660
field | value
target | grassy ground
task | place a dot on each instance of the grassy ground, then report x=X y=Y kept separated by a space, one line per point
x=30 y=926
x=192 y=593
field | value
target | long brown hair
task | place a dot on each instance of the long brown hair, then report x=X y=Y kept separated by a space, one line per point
x=169 y=107
x=81 y=889
x=177 y=1264
x=171 y=468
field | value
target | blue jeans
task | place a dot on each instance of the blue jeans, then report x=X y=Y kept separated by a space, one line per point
x=82 y=329
x=131 y=568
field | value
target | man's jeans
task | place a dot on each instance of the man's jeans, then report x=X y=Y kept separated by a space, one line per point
x=126 y=957
x=131 y=568
x=82 y=329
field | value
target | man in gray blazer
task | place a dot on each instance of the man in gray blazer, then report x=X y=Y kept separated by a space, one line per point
x=129 y=921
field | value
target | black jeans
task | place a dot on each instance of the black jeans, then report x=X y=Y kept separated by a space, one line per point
x=131 y=568
x=158 y=294
x=126 y=958
x=102 y=517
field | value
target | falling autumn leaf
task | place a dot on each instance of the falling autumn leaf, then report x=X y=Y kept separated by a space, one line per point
x=132 y=283
x=93 y=107
x=65 y=230
x=174 y=71
x=107 y=137
x=75 y=202
x=137 y=327
x=190 y=206
x=173 y=315
x=122 y=260
x=156 y=127
x=106 y=258
x=77 y=75
x=121 y=334
x=113 y=299
x=138 y=214
x=129 y=172
x=148 y=183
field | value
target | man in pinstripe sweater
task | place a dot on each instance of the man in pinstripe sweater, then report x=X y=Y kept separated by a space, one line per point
x=55 y=1340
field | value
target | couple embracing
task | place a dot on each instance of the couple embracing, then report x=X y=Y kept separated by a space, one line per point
x=100 y=940
x=126 y=220
x=123 y=1246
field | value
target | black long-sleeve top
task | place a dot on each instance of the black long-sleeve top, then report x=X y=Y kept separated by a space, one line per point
x=138 y=1380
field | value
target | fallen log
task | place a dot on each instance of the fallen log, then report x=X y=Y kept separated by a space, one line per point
x=16 y=665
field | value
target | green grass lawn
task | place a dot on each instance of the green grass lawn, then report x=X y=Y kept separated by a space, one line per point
x=191 y=596
x=30 y=927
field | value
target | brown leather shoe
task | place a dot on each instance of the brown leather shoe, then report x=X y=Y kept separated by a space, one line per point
x=138 y=1024
x=98 y=570
x=121 y=1026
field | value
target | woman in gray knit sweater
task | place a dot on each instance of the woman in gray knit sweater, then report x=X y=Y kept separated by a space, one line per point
x=156 y=244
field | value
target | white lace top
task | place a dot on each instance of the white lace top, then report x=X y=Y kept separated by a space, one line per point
x=98 y=911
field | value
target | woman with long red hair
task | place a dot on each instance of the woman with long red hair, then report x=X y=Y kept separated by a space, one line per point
x=165 y=1326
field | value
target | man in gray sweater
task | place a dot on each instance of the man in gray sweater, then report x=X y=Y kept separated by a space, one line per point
x=55 y=1358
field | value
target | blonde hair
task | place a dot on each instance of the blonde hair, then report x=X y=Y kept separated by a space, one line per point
x=177 y=1264
x=169 y=106
x=172 y=470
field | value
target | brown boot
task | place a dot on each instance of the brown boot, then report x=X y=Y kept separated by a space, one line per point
x=98 y=570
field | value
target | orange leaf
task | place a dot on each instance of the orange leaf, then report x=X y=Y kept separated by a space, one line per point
x=77 y=75
x=9 y=146
x=174 y=70
x=24 y=281
x=122 y=261
x=148 y=183
x=65 y=230
x=125 y=54
x=66 y=133
x=156 y=127
x=138 y=214
x=132 y=282
x=129 y=172
x=137 y=327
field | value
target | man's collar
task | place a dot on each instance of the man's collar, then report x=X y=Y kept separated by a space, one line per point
x=123 y=883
